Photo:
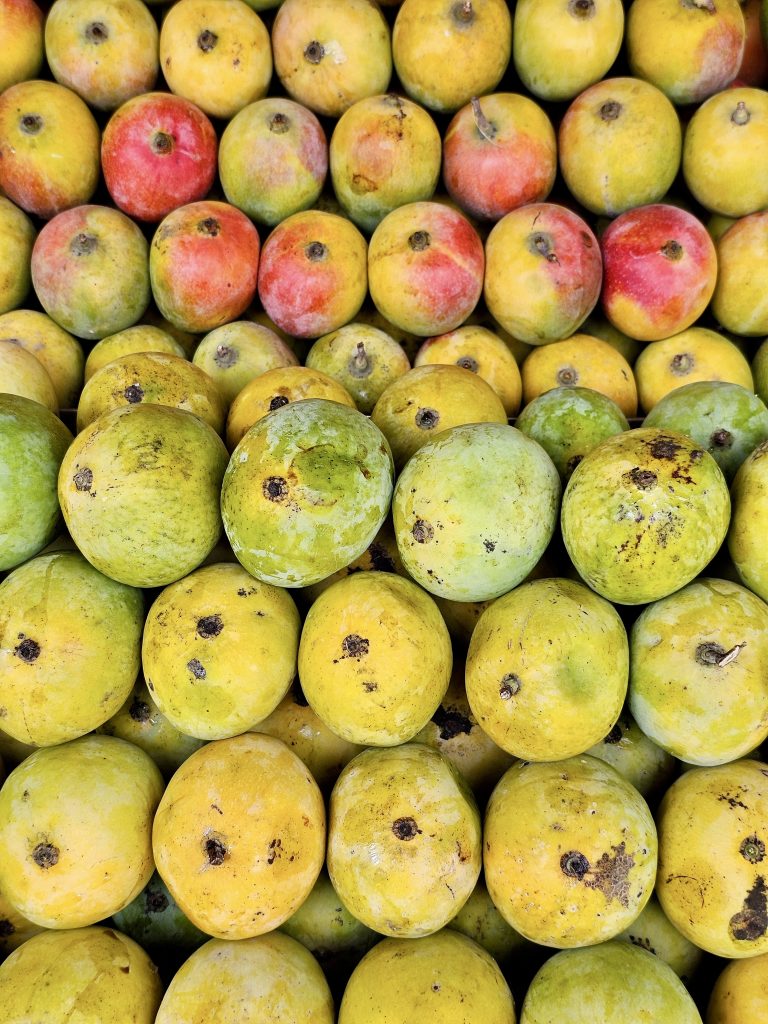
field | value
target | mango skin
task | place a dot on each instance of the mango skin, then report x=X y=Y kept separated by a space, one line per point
x=740 y=992
x=613 y=983
x=265 y=978
x=474 y=510
x=239 y=836
x=404 y=840
x=375 y=658
x=154 y=921
x=442 y=979
x=306 y=491
x=139 y=490
x=643 y=514
x=32 y=445
x=712 y=839
x=569 y=851
x=652 y=930
x=75 y=825
x=746 y=536
x=92 y=975
x=70 y=642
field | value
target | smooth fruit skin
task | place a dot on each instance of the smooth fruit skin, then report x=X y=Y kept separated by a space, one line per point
x=592 y=142
x=106 y=53
x=59 y=352
x=430 y=36
x=269 y=977
x=371 y=684
x=21 y=41
x=17 y=236
x=385 y=152
x=158 y=152
x=78 y=846
x=139 y=489
x=306 y=491
x=411 y=815
x=699 y=661
x=712 y=842
x=89 y=271
x=441 y=978
x=569 y=851
x=32 y=445
x=543 y=272
x=547 y=669
x=746 y=535
x=327 y=63
x=724 y=140
x=273 y=159
x=92 y=975
x=612 y=983
x=239 y=835
x=49 y=148
x=559 y=49
x=217 y=55
x=23 y=374
x=688 y=50
x=643 y=514
x=652 y=930
x=204 y=264
x=52 y=690
x=139 y=338
x=237 y=352
x=641 y=761
x=154 y=921
x=740 y=992
x=740 y=299
x=660 y=270
x=474 y=510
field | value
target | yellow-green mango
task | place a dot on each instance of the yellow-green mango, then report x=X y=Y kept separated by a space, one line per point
x=749 y=521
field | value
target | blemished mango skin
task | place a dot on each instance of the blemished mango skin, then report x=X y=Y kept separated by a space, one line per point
x=90 y=975
x=404 y=839
x=712 y=842
x=569 y=851
x=442 y=978
x=612 y=982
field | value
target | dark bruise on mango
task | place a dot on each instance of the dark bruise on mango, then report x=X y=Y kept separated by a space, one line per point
x=751 y=922
x=611 y=875
x=451 y=722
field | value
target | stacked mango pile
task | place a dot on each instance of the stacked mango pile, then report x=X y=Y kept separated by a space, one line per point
x=383 y=577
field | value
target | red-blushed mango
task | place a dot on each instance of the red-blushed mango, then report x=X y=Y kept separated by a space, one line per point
x=694 y=354
x=415 y=815
x=239 y=835
x=375 y=658
x=569 y=851
x=724 y=141
x=218 y=56
x=21 y=41
x=385 y=151
x=49 y=147
x=474 y=510
x=740 y=299
x=473 y=38
x=219 y=650
x=595 y=133
x=59 y=352
x=611 y=982
x=77 y=847
x=712 y=846
x=203 y=265
x=327 y=63
x=51 y=689
x=312 y=274
x=499 y=154
x=583 y=361
x=92 y=975
x=699 y=663
x=754 y=63
x=306 y=491
x=267 y=977
x=90 y=271
x=746 y=535
x=698 y=57
x=139 y=489
x=104 y=53
x=740 y=992
x=643 y=514
x=425 y=268
x=158 y=151
x=440 y=978
x=547 y=669
x=560 y=48
x=543 y=272
x=273 y=159
x=660 y=269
